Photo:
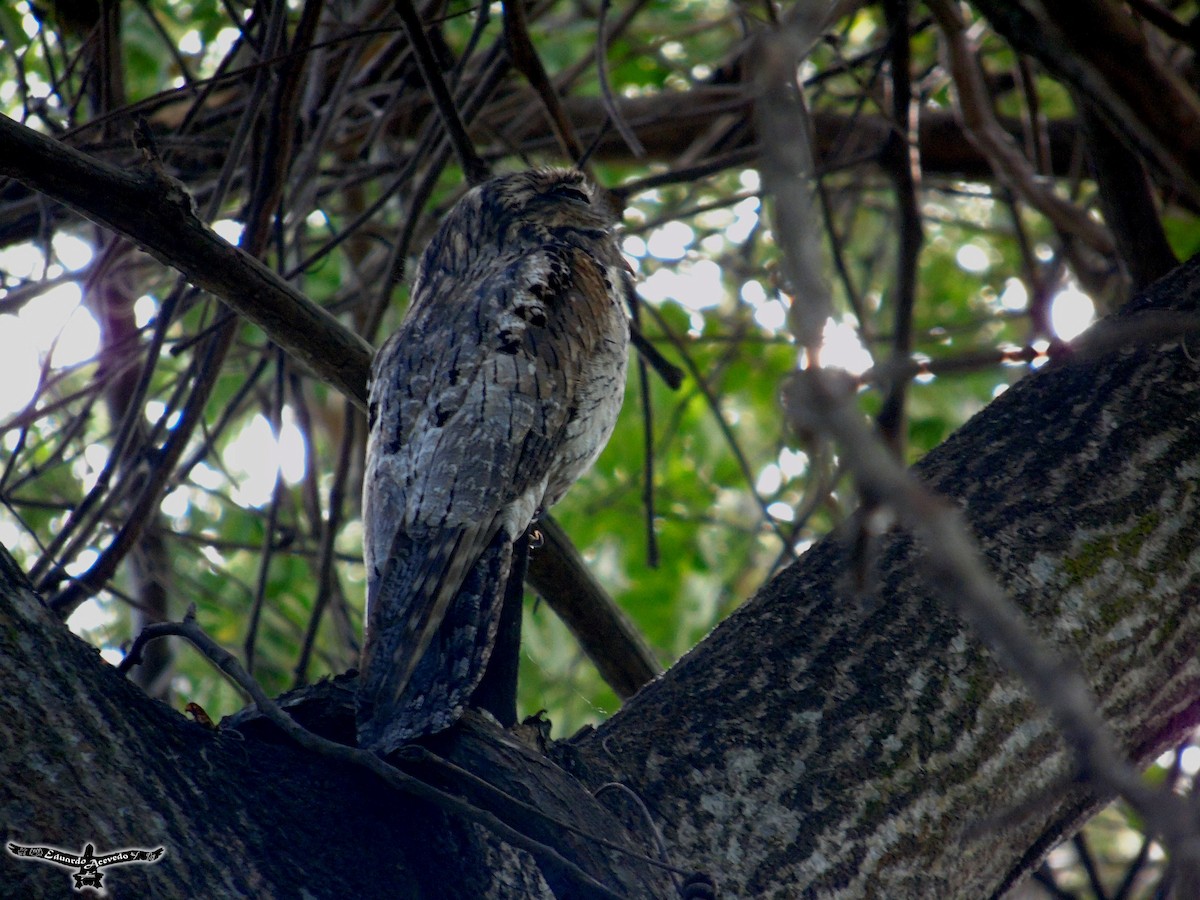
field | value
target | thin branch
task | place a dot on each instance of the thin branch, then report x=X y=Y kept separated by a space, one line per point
x=266 y=551
x=714 y=405
x=331 y=525
x=648 y=354
x=982 y=129
x=904 y=169
x=80 y=589
x=157 y=214
x=606 y=92
x=526 y=60
x=475 y=169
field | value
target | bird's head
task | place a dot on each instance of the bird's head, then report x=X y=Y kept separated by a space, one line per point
x=550 y=198
x=519 y=211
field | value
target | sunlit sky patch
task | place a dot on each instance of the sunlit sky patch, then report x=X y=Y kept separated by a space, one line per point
x=145 y=308
x=22 y=261
x=19 y=366
x=218 y=48
x=769 y=480
x=634 y=246
x=73 y=252
x=175 y=504
x=745 y=219
x=793 y=463
x=228 y=229
x=1071 y=313
x=973 y=258
x=670 y=241
x=769 y=312
x=1040 y=347
x=1014 y=297
x=190 y=42
x=842 y=349
x=154 y=410
x=92 y=463
x=694 y=284
x=53 y=320
x=67 y=325
x=781 y=511
x=93 y=615
x=1189 y=762
x=255 y=456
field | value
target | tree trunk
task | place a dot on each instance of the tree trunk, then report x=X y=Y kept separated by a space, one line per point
x=817 y=743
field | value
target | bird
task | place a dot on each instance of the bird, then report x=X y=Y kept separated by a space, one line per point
x=497 y=392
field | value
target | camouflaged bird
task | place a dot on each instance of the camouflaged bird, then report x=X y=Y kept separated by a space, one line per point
x=499 y=390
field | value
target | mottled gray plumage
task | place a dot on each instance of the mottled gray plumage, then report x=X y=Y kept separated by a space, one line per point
x=499 y=389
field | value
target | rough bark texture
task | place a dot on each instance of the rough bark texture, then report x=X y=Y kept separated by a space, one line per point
x=86 y=757
x=828 y=743
x=818 y=743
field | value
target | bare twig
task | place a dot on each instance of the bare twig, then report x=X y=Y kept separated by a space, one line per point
x=786 y=166
x=670 y=373
x=904 y=169
x=159 y=217
x=473 y=166
x=526 y=60
x=727 y=432
x=80 y=589
x=610 y=102
x=981 y=127
x=329 y=531
x=266 y=552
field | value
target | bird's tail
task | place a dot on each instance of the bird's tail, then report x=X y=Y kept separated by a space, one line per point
x=431 y=622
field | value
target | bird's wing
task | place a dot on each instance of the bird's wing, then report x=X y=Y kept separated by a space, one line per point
x=469 y=401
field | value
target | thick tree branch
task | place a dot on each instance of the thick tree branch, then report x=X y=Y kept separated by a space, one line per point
x=155 y=778
x=607 y=636
x=1127 y=200
x=882 y=748
x=156 y=213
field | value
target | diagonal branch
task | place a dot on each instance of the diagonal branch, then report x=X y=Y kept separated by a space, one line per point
x=1097 y=47
x=473 y=167
x=156 y=213
x=997 y=145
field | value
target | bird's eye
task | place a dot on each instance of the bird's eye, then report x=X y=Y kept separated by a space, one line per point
x=570 y=192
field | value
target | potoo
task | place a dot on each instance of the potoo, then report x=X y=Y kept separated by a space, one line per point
x=498 y=391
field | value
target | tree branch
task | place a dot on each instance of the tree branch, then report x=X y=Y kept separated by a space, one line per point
x=157 y=214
